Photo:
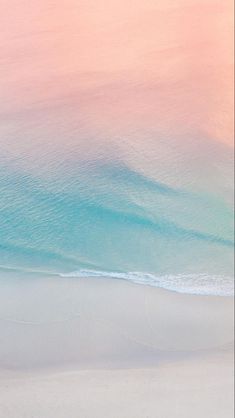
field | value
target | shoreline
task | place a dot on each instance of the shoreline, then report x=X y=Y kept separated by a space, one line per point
x=187 y=284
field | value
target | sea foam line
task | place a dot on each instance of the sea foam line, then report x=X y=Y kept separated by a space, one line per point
x=198 y=284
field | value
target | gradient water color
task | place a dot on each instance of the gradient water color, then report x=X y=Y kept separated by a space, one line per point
x=116 y=141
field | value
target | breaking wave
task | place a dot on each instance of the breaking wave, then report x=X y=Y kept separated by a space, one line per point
x=201 y=284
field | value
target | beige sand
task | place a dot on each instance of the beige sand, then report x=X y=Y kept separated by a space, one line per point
x=106 y=348
x=181 y=390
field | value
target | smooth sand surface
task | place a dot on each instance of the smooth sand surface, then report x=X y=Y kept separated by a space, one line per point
x=107 y=348
x=188 y=389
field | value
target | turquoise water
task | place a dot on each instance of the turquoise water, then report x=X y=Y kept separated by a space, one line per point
x=99 y=215
x=115 y=142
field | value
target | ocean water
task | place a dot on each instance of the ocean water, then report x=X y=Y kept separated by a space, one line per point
x=107 y=219
x=116 y=155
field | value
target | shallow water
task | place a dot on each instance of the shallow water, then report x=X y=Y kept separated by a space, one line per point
x=116 y=141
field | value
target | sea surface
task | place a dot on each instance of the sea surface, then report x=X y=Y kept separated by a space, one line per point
x=115 y=142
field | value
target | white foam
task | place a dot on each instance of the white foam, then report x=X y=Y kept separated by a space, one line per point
x=202 y=284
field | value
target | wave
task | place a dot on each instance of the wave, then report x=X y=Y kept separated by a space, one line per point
x=198 y=284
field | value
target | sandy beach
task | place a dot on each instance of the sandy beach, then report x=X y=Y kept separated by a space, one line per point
x=116 y=209
x=108 y=348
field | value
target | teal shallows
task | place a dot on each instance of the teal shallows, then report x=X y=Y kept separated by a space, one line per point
x=110 y=217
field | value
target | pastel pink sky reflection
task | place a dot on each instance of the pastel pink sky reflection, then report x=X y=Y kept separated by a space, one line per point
x=115 y=65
